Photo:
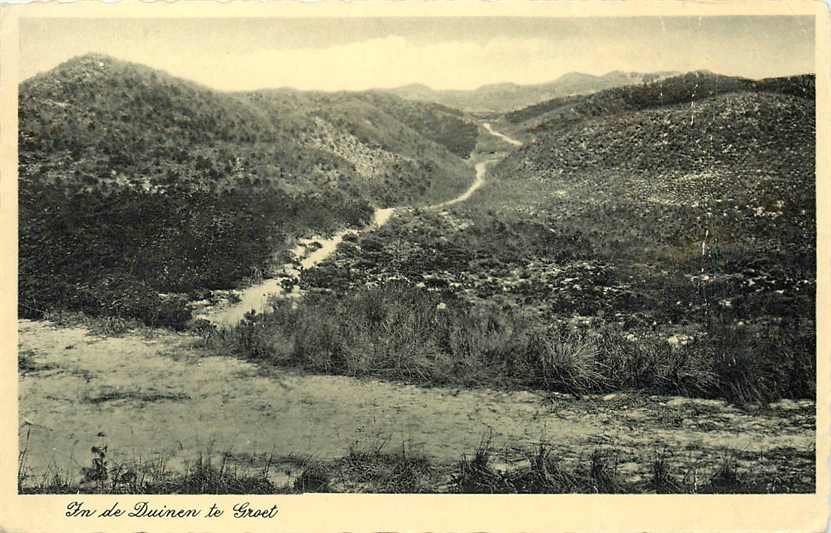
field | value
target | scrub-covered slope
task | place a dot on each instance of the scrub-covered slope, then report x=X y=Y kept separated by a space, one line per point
x=133 y=182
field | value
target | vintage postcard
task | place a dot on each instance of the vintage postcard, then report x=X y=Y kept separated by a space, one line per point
x=474 y=266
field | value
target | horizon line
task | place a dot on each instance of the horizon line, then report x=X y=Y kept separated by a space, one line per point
x=670 y=73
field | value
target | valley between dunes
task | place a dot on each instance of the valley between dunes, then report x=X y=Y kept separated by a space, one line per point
x=607 y=285
x=311 y=251
x=158 y=401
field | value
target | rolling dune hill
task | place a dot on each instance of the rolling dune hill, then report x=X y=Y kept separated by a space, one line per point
x=134 y=180
x=685 y=88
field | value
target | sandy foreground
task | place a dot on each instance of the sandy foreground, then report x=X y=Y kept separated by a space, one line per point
x=161 y=397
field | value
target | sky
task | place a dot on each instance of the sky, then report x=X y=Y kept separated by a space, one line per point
x=443 y=53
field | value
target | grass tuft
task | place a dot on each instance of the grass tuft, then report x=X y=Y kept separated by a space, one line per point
x=402 y=333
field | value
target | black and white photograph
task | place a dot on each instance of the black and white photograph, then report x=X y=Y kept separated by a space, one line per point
x=416 y=255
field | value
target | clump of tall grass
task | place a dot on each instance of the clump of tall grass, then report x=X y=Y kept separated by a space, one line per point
x=476 y=476
x=399 y=332
x=403 y=333
x=542 y=475
x=664 y=481
x=377 y=471
x=203 y=477
x=567 y=361
x=315 y=477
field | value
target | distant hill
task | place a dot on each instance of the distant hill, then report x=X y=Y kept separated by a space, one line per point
x=685 y=88
x=693 y=157
x=134 y=182
x=504 y=97
x=725 y=129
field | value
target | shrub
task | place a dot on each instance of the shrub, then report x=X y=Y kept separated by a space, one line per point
x=174 y=312
x=315 y=477
x=25 y=361
x=110 y=254
x=763 y=364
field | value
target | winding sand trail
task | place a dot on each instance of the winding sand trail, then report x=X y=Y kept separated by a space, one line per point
x=257 y=296
x=502 y=136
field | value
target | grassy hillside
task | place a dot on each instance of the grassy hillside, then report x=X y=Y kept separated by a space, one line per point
x=686 y=88
x=133 y=182
x=402 y=152
x=660 y=246
x=720 y=195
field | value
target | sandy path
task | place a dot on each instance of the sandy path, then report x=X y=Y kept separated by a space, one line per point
x=162 y=397
x=257 y=296
x=481 y=171
x=502 y=136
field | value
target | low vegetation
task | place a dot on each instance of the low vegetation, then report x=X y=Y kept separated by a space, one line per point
x=117 y=255
x=652 y=93
x=540 y=472
x=429 y=337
